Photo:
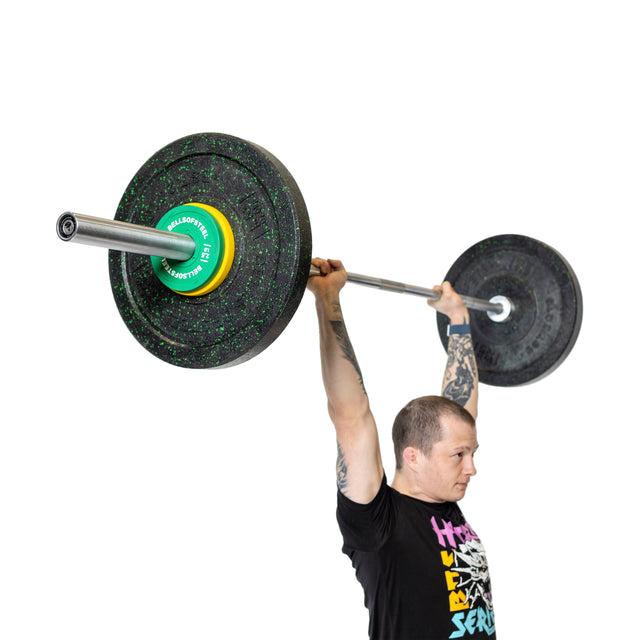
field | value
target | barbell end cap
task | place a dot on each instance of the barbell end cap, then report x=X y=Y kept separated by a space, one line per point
x=67 y=226
x=507 y=307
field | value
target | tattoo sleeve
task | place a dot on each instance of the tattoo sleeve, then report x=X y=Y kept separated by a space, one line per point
x=340 y=331
x=341 y=470
x=460 y=374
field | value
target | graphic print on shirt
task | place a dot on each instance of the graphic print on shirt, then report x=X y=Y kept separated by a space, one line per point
x=466 y=572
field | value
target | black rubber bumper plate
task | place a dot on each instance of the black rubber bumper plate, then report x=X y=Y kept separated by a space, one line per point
x=259 y=296
x=546 y=315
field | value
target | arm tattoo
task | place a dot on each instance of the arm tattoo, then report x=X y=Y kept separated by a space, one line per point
x=461 y=370
x=348 y=353
x=341 y=471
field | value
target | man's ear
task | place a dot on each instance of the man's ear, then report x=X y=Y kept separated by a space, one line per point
x=410 y=457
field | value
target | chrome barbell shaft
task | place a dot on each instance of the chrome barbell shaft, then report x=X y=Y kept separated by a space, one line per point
x=135 y=238
x=400 y=287
x=124 y=236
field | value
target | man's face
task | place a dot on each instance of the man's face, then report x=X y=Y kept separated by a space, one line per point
x=445 y=473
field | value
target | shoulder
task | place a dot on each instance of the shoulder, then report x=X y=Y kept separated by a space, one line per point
x=367 y=526
x=383 y=494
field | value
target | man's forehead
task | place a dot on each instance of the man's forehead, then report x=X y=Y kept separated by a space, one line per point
x=456 y=431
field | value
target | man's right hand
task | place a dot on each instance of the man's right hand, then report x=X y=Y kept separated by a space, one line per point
x=333 y=278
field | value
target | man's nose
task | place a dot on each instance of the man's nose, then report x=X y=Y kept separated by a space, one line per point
x=470 y=467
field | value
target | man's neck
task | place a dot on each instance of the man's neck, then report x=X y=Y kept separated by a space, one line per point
x=402 y=483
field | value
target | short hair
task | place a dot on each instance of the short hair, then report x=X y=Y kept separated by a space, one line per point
x=418 y=424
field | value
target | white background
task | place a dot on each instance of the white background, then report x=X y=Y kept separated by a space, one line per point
x=139 y=500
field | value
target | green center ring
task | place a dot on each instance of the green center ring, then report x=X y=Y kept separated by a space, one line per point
x=194 y=274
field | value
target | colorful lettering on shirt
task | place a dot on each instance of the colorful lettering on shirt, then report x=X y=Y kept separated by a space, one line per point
x=464 y=533
x=466 y=575
x=481 y=619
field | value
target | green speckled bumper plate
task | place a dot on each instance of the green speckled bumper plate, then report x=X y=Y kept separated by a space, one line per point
x=259 y=296
x=546 y=315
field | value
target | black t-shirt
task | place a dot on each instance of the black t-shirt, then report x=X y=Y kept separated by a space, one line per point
x=422 y=567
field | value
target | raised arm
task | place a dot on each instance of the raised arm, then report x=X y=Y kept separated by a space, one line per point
x=460 y=382
x=359 y=466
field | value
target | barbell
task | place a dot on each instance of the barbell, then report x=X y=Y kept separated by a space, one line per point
x=210 y=253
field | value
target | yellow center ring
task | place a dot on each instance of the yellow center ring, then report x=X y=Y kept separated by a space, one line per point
x=227 y=255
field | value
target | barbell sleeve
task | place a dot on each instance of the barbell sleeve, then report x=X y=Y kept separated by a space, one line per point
x=135 y=238
x=123 y=236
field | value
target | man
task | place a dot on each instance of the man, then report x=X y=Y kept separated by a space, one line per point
x=422 y=567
